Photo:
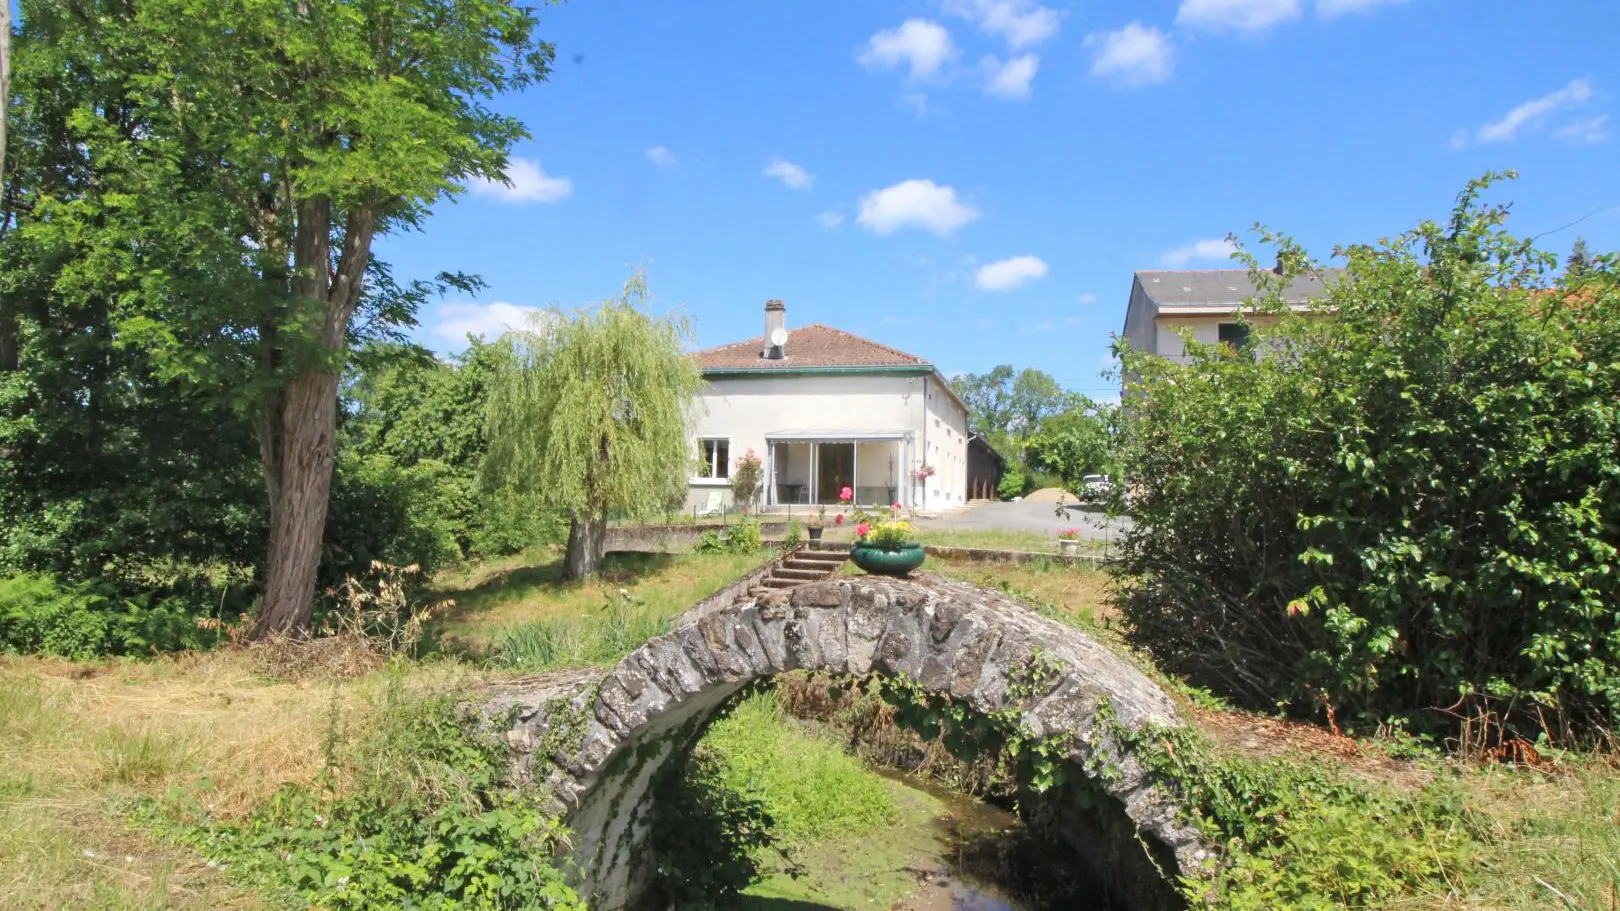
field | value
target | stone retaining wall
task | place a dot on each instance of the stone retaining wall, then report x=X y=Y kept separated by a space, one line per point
x=674 y=539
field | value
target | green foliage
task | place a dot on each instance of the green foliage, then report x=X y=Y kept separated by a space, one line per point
x=794 y=536
x=44 y=615
x=589 y=412
x=419 y=817
x=620 y=626
x=1299 y=835
x=1080 y=441
x=742 y=538
x=1403 y=507
x=705 y=838
x=415 y=423
x=809 y=786
x=1012 y=484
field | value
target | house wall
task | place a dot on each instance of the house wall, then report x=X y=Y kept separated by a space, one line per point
x=946 y=434
x=1205 y=330
x=1139 y=321
x=745 y=410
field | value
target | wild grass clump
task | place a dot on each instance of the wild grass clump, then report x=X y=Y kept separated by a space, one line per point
x=809 y=785
x=601 y=636
x=416 y=813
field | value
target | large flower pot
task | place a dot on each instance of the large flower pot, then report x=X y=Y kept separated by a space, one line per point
x=815 y=532
x=887 y=562
x=1068 y=547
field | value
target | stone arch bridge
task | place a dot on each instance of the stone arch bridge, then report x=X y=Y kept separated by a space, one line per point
x=596 y=739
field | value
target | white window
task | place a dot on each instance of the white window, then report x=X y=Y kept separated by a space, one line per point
x=716 y=458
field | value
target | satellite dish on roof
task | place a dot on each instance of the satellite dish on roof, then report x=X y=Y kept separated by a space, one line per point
x=779 y=337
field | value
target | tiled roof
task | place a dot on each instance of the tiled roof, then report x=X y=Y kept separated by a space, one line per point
x=1226 y=286
x=814 y=345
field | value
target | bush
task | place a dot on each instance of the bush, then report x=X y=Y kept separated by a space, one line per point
x=1405 y=509
x=1011 y=484
x=419 y=817
x=40 y=614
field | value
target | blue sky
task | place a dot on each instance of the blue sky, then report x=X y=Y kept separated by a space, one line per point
x=974 y=181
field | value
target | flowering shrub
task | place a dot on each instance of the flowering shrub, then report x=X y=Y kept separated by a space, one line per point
x=923 y=473
x=846 y=495
x=747 y=480
x=891 y=535
x=1068 y=534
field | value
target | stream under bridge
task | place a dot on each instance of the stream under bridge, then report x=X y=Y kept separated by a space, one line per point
x=595 y=740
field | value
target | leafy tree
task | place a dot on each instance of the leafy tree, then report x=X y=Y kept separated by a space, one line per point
x=590 y=415
x=1403 y=509
x=248 y=153
x=988 y=397
x=1080 y=441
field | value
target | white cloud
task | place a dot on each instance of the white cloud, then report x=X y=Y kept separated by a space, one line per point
x=1073 y=322
x=1535 y=112
x=1327 y=9
x=527 y=182
x=831 y=218
x=791 y=175
x=1200 y=250
x=1010 y=79
x=914 y=204
x=1135 y=55
x=1245 y=16
x=1459 y=139
x=1088 y=298
x=1007 y=274
x=454 y=321
x=921 y=44
x=1590 y=131
x=918 y=102
x=662 y=157
x=1020 y=22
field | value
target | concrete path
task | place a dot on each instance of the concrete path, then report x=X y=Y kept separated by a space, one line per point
x=1041 y=518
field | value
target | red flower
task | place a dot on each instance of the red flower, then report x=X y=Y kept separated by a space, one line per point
x=838 y=519
x=862 y=529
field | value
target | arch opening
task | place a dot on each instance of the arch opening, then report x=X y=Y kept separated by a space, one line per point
x=992 y=661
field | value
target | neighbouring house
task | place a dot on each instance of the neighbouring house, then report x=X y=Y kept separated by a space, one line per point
x=824 y=410
x=1207 y=304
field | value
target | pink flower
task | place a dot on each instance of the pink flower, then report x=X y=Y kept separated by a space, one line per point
x=847 y=494
x=862 y=529
x=897 y=506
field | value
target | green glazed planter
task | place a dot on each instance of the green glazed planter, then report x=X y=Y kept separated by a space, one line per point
x=887 y=562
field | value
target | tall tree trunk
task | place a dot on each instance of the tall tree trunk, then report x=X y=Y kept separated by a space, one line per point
x=300 y=488
x=298 y=427
x=587 y=537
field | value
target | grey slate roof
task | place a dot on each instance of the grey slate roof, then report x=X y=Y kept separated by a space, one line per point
x=1203 y=287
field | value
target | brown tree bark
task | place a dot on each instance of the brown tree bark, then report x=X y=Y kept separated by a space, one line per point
x=587 y=537
x=298 y=426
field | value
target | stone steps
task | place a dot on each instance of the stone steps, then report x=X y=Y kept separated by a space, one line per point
x=811 y=563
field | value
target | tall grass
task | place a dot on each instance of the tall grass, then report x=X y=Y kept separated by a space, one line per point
x=600 y=636
x=808 y=784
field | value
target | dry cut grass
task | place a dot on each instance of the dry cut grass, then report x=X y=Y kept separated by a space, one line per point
x=80 y=742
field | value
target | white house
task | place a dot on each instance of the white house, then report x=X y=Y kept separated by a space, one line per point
x=1207 y=304
x=825 y=410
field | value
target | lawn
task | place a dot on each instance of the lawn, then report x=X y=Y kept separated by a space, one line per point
x=501 y=595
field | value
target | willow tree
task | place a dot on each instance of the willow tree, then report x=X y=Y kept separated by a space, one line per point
x=589 y=415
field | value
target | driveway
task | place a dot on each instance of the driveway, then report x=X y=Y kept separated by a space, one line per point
x=1040 y=518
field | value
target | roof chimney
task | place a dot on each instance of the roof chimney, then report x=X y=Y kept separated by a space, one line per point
x=775 y=318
